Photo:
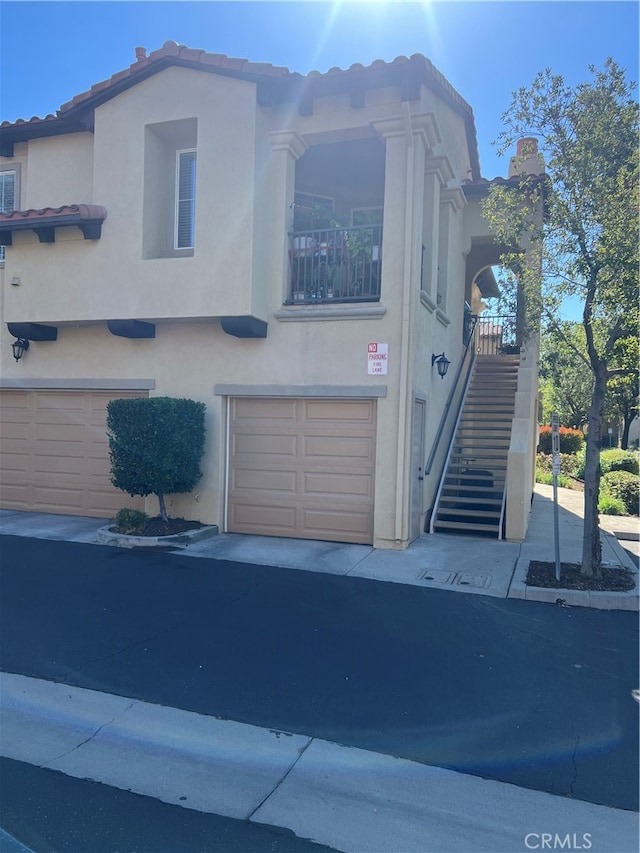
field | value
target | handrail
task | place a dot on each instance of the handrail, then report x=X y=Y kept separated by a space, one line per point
x=502 y=510
x=468 y=349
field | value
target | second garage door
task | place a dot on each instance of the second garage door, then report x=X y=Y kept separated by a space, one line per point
x=54 y=454
x=302 y=468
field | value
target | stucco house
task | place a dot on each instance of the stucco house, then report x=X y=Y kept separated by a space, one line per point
x=304 y=254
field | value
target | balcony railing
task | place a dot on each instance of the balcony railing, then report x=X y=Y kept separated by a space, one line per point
x=496 y=335
x=336 y=265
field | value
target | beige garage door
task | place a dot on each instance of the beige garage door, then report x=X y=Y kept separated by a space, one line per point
x=302 y=468
x=54 y=453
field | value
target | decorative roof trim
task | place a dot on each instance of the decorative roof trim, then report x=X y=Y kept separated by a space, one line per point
x=87 y=217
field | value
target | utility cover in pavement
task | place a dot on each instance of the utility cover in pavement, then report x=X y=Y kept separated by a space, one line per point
x=436 y=576
x=481 y=581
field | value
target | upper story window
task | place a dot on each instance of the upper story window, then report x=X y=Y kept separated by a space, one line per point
x=7 y=191
x=169 y=205
x=185 y=199
x=8 y=196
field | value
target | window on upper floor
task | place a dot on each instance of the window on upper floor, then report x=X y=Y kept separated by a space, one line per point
x=185 y=199
x=8 y=196
x=8 y=191
x=169 y=207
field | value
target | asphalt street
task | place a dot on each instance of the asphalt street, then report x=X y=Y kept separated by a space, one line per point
x=533 y=694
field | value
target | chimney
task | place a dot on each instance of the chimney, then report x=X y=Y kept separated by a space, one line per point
x=527 y=160
x=141 y=53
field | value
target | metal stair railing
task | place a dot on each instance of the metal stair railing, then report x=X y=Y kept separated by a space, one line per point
x=466 y=367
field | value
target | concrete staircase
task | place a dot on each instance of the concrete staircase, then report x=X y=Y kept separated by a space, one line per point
x=472 y=493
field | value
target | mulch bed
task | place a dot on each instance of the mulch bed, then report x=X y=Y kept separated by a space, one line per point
x=544 y=575
x=157 y=527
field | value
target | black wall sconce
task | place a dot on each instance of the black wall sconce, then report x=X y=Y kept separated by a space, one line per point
x=443 y=364
x=19 y=347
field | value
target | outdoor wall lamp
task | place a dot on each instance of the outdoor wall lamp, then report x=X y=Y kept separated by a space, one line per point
x=443 y=364
x=19 y=347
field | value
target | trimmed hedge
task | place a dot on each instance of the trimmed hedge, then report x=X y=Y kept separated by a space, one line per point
x=618 y=460
x=571 y=440
x=612 y=460
x=155 y=444
x=624 y=486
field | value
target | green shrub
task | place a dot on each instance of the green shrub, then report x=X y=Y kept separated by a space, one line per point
x=611 y=460
x=155 y=445
x=608 y=505
x=569 y=462
x=624 y=486
x=618 y=460
x=571 y=440
x=130 y=521
x=546 y=477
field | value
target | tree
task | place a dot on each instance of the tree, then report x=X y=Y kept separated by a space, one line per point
x=623 y=389
x=566 y=381
x=155 y=445
x=587 y=242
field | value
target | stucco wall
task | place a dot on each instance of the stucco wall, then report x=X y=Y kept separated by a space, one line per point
x=245 y=185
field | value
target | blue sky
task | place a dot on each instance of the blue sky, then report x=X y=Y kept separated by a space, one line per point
x=51 y=51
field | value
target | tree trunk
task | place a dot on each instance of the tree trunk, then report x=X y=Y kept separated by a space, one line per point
x=163 y=509
x=627 y=421
x=591 y=544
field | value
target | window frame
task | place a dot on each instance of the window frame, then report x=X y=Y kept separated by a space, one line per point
x=14 y=170
x=178 y=200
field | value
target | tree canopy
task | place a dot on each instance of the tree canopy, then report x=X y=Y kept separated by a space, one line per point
x=586 y=244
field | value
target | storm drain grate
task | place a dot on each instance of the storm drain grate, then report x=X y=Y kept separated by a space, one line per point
x=437 y=576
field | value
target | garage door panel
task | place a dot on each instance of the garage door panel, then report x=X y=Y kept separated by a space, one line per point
x=351 y=411
x=338 y=485
x=55 y=496
x=253 y=480
x=263 y=411
x=304 y=470
x=326 y=523
x=15 y=495
x=334 y=447
x=16 y=463
x=258 y=518
x=252 y=445
x=67 y=466
x=55 y=453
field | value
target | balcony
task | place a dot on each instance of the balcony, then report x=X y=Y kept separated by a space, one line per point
x=335 y=265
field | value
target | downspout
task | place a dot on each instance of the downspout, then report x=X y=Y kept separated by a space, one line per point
x=405 y=329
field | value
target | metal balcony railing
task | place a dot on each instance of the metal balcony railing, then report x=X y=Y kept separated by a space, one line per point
x=496 y=335
x=336 y=265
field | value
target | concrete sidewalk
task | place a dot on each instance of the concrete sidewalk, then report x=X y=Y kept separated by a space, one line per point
x=457 y=563
x=347 y=798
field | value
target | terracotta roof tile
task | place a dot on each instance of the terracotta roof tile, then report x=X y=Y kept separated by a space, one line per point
x=170 y=49
x=84 y=211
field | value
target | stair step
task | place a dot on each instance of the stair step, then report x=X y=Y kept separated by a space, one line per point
x=457 y=525
x=467 y=513
x=453 y=490
x=453 y=502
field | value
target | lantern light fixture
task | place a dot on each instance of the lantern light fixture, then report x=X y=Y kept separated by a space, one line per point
x=19 y=347
x=442 y=363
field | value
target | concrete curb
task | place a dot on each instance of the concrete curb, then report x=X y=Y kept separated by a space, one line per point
x=177 y=540
x=628 y=600
x=347 y=798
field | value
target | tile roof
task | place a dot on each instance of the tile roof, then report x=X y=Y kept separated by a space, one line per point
x=173 y=53
x=80 y=211
x=279 y=84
